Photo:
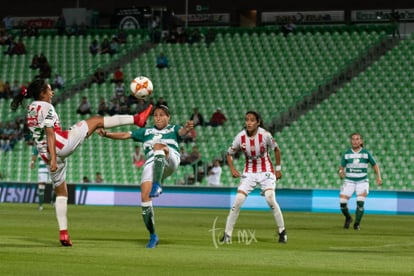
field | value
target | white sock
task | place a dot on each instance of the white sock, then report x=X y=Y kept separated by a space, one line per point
x=234 y=213
x=61 y=207
x=277 y=213
x=146 y=204
x=118 y=120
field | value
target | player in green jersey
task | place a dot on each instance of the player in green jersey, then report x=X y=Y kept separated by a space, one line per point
x=43 y=176
x=55 y=144
x=354 y=171
x=161 y=147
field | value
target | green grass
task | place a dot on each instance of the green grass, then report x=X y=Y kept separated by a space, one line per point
x=111 y=241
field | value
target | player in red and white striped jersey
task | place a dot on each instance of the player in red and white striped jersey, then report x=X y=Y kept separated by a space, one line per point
x=55 y=145
x=255 y=143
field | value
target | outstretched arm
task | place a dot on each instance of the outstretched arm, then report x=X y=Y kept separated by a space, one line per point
x=113 y=135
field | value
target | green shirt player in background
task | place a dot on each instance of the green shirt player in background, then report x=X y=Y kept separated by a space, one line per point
x=161 y=148
x=43 y=177
x=354 y=171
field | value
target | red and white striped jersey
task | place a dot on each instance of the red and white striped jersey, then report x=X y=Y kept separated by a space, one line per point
x=255 y=150
x=40 y=115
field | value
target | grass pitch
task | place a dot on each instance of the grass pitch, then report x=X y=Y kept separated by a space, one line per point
x=111 y=241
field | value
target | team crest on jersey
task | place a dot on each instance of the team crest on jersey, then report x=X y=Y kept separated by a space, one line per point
x=356 y=161
x=157 y=137
x=243 y=147
x=262 y=148
x=49 y=114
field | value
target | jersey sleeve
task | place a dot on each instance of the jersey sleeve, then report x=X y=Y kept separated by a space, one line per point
x=371 y=159
x=177 y=134
x=343 y=161
x=235 y=146
x=270 y=140
x=138 y=134
x=49 y=115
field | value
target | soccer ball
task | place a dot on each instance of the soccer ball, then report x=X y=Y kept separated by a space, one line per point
x=141 y=87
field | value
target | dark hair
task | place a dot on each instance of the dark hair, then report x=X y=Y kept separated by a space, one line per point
x=360 y=136
x=33 y=91
x=163 y=107
x=258 y=117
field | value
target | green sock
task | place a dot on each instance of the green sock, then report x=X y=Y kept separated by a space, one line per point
x=41 y=194
x=345 y=210
x=159 y=165
x=148 y=217
x=359 y=211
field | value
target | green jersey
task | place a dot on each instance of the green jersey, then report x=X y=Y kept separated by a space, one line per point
x=356 y=164
x=150 y=135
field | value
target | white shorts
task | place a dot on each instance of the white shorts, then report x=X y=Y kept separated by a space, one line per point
x=43 y=177
x=59 y=176
x=76 y=136
x=249 y=181
x=359 y=187
x=171 y=165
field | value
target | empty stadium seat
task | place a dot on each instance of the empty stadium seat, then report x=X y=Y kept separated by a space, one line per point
x=268 y=72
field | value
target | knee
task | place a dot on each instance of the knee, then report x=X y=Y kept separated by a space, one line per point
x=360 y=198
x=238 y=202
x=61 y=190
x=343 y=200
x=270 y=198
x=94 y=123
x=158 y=146
x=145 y=191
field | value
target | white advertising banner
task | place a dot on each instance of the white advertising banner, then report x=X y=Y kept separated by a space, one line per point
x=303 y=17
x=382 y=15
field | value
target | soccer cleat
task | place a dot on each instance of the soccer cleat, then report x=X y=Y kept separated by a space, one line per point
x=226 y=238
x=64 y=238
x=140 y=119
x=153 y=242
x=348 y=221
x=283 y=237
x=40 y=208
x=156 y=189
x=356 y=226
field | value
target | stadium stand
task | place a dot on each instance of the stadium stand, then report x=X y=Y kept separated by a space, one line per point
x=269 y=72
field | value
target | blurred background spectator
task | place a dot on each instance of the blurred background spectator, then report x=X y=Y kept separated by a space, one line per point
x=84 y=107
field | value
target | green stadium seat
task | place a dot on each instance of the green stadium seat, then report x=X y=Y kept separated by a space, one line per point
x=286 y=68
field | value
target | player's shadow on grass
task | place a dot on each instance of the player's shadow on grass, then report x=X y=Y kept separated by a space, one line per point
x=134 y=240
x=106 y=239
x=30 y=243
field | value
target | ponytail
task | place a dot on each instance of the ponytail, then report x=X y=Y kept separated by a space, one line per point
x=18 y=100
x=33 y=91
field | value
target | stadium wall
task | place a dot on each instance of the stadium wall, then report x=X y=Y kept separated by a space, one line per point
x=317 y=200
